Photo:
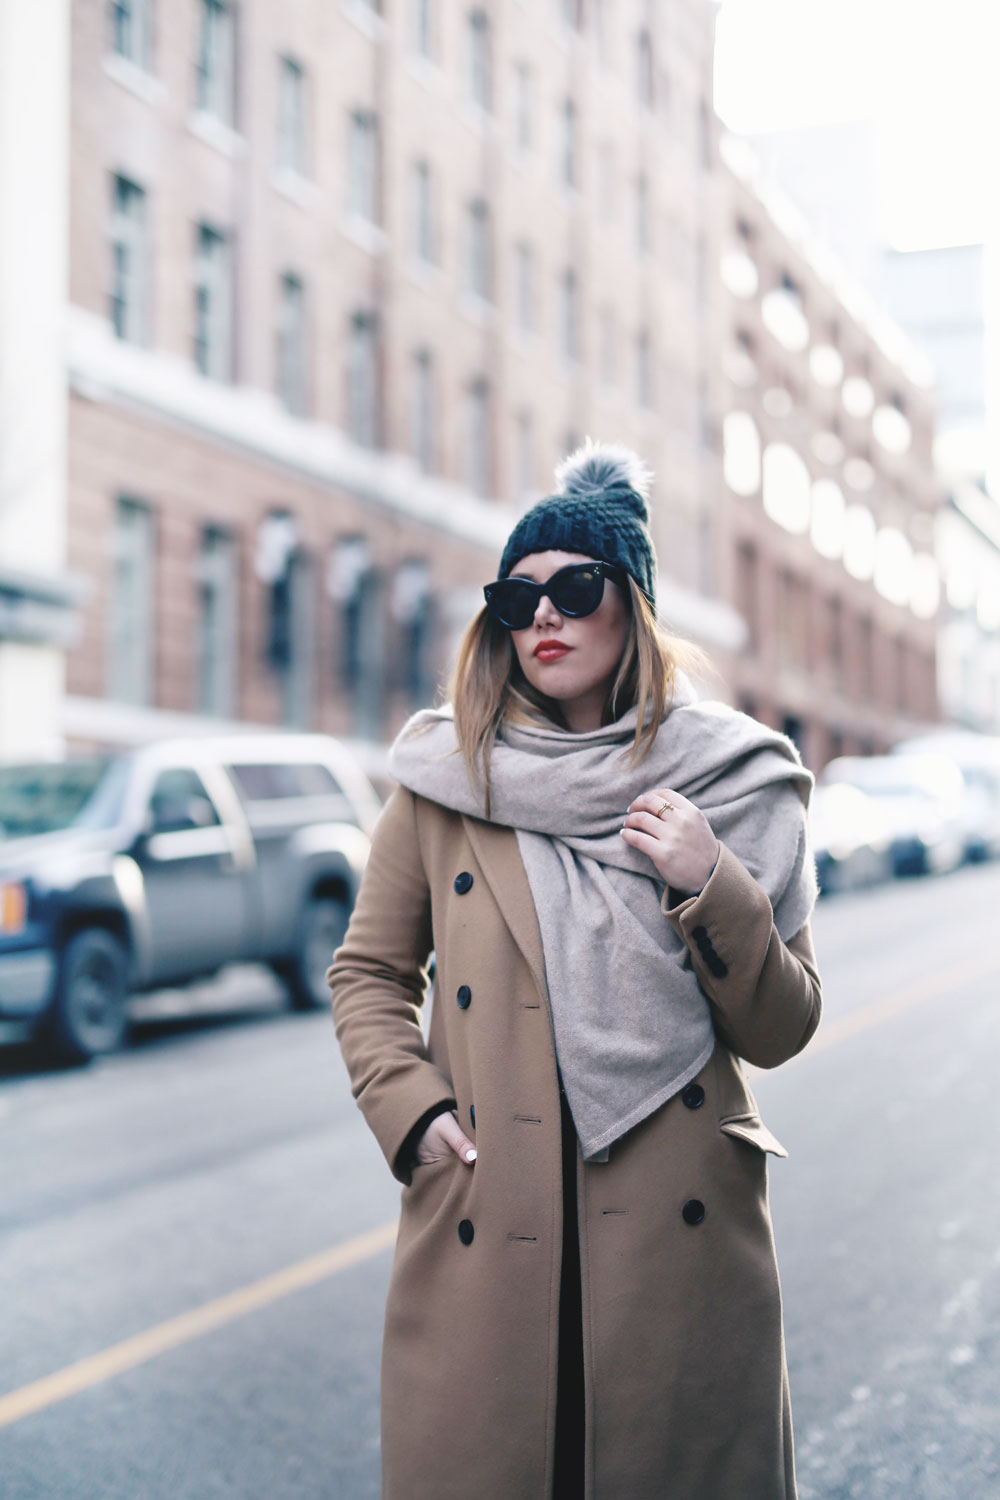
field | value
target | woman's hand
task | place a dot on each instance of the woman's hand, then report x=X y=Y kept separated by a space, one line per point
x=681 y=844
x=443 y=1135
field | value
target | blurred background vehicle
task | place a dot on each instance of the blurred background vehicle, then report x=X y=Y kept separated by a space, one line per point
x=159 y=866
x=922 y=801
x=850 y=837
x=978 y=758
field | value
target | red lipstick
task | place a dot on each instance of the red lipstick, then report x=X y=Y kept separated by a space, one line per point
x=551 y=650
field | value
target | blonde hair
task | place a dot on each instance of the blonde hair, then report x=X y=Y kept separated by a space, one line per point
x=487 y=685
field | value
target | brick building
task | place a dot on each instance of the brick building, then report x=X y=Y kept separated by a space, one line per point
x=830 y=494
x=346 y=282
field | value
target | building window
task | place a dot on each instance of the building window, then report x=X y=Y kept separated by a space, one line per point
x=747 y=599
x=478 y=58
x=608 y=336
x=524 y=286
x=292 y=146
x=132 y=604
x=354 y=586
x=424 y=247
x=217 y=622
x=792 y=619
x=129 y=261
x=132 y=30
x=478 y=458
x=363 y=167
x=524 y=107
x=642 y=214
x=215 y=69
x=524 y=437
x=478 y=267
x=362 y=380
x=835 y=640
x=644 y=70
x=291 y=368
x=644 y=369
x=569 y=315
x=568 y=156
x=286 y=570
x=412 y=611
x=423 y=410
x=213 y=303
x=422 y=28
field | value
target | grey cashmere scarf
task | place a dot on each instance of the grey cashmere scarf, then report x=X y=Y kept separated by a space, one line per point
x=631 y=1023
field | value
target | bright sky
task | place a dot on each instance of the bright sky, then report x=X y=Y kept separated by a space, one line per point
x=925 y=71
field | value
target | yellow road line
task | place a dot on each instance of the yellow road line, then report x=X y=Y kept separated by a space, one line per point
x=200 y=1320
x=191 y=1325
x=935 y=987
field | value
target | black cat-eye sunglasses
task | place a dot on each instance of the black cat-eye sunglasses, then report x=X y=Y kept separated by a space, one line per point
x=576 y=590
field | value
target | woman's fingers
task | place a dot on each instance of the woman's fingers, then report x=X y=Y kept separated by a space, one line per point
x=652 y=801
x=444 y=1133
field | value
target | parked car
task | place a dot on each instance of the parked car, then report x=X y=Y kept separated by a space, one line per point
x=850 y=837
x=978 y=758
x=158 y=866
x=920 y=797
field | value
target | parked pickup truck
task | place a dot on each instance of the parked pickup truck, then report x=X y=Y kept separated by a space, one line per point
x=159 y=865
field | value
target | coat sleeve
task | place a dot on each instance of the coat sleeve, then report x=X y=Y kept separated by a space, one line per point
x=378 y=980
x=765 y=994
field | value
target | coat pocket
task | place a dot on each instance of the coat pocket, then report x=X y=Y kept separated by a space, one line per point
x=751 y=1128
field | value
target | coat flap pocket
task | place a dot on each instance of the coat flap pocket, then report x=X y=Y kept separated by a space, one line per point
x=751 y=1128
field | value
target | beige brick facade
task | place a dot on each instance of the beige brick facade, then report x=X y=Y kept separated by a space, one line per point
x=641 y=227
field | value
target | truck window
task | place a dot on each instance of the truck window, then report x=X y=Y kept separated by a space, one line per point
x=270 y=782
x=49 y=796
x=179 y=801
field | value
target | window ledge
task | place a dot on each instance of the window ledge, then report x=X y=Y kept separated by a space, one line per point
x=365 y=19
x=293 y=186
x=425 y=274
x=477 y=309
x=134 y=78
x=478 y=119
x=427 y=73
x=215 y=133
x=364 y=233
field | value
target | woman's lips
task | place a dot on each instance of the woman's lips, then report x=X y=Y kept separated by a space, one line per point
x=551 y=651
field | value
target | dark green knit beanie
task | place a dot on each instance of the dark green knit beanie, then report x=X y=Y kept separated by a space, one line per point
x=601 y=509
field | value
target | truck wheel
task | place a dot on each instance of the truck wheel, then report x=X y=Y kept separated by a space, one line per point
x=322 y=924
x=88 y=1014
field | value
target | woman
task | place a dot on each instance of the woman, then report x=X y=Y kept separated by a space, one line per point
x=616 y=883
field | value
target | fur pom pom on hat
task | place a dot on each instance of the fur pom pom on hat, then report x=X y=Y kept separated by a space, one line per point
x=601 y=509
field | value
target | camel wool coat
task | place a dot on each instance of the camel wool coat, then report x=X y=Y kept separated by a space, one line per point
x=685 y=1377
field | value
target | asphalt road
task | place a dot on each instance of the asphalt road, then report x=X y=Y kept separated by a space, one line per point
x=191 y=1288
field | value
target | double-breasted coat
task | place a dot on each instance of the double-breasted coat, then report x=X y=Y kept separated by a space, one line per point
x=685 y=1378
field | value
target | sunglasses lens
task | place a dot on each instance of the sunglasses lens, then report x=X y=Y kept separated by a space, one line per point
x=512 y=601
x=577 y=591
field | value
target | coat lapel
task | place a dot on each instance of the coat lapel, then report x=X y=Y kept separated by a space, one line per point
x=500 y=859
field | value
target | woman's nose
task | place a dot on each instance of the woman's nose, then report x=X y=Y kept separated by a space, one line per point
x=546 y=612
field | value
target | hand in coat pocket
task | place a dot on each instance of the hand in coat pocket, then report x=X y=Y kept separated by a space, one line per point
x=443 y=1135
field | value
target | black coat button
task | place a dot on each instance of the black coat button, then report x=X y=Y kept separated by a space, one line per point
x=464 y=997
x=693 y=1211
x=715 y=964
x=463 y=882
x=693 y=1095
x=472 y=1115
x=466 y=1232
x=698 y=933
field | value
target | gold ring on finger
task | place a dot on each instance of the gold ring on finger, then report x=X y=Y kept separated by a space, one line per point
x=662 y=809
